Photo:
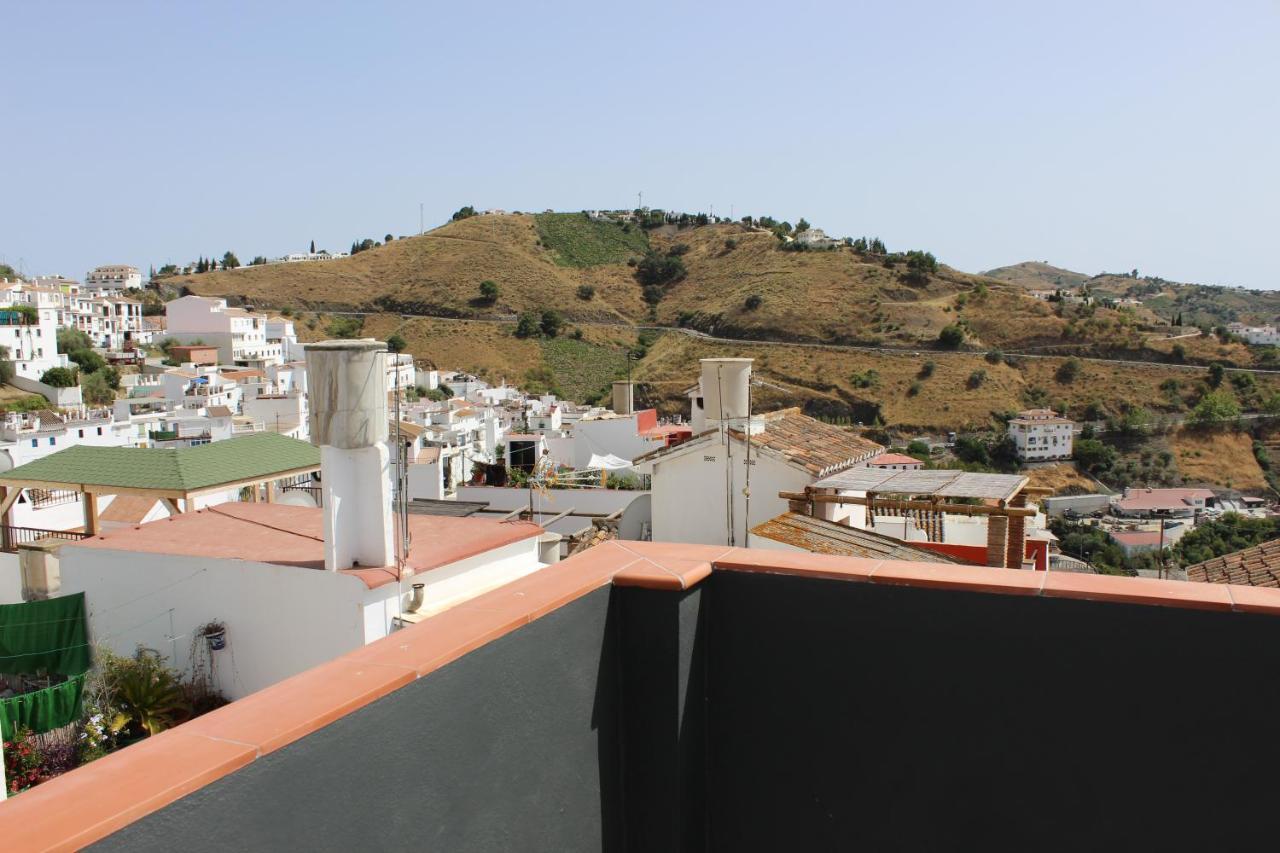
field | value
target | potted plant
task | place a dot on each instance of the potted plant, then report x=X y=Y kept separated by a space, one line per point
x=215 y=634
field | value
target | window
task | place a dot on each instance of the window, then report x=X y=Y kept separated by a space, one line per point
x=35 y=442
x=52 y=440
x=99 y=430
x=82 y=433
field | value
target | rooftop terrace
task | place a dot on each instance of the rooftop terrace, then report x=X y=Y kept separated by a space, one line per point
x=646 y=697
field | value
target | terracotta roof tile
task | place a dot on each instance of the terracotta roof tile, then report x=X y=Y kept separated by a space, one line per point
x=1256 y=566
x=817 y=446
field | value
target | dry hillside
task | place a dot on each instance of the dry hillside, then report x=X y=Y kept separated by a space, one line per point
x=1038 y=275
x=581 y=268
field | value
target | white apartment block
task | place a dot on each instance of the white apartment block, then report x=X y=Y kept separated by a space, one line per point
x=111 y=322
x=113 y=277
x=280 y=330
x=239 y=335
x=32 y=342
x=1041 y=435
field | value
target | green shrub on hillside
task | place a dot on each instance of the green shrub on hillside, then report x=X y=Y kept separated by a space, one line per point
x=576 y=240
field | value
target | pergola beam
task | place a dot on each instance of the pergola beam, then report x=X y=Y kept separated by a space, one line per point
x=890 y=503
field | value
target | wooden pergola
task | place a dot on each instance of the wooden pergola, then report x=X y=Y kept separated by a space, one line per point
x=175 y=477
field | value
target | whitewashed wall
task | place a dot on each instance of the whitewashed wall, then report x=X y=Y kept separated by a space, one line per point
x=689 y=495
x=280 y=620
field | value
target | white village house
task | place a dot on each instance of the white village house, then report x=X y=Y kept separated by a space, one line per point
x=714 y=488
x=1042 y=435
x=291 y=585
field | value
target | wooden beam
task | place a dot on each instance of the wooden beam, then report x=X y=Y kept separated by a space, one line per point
x=885 y=503
x=556 y=518
x=90 y=513
x=171 y=504
x=11 y=494
x=142 y=493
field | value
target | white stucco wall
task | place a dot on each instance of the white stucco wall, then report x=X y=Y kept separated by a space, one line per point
x=689 y=494
x=451 y=584
x=280 y=620
x=616 y=436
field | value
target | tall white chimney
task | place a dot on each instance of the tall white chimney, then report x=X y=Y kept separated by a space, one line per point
x=726 y=391
x=347 y=386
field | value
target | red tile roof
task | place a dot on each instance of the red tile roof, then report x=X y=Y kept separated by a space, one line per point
x=1256 y=566
x=1153 y=499
x=667 y=429
x=895 y=459
x=294 y=536
x=1136 y=538
x=817 y=446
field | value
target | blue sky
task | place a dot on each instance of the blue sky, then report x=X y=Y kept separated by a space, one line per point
x=1098 y=136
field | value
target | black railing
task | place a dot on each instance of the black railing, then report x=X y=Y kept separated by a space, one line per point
x=317 y=494
x=11 y=536
x=52 y=497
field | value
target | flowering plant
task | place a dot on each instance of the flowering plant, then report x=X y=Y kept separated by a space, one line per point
x=21 y=761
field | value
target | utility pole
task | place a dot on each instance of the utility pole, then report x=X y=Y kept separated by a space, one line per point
x=640 y=200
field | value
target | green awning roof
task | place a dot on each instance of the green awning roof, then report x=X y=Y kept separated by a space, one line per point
x=184 y=469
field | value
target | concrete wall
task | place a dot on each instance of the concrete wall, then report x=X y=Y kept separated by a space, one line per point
x=761 y=712
x=866 y=717
x=512 y=747
x=10 y=579
x=62 y=397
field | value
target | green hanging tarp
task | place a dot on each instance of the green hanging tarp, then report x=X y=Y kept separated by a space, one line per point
x=42 y=710
x=44 y=636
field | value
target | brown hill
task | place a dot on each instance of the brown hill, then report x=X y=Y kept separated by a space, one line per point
x=738 y=283
x=1038 y=275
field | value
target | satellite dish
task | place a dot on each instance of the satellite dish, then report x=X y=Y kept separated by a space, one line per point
x=295 y=498
x=636 y=517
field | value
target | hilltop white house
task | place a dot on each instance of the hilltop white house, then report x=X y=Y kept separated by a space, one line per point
x=1041 y=435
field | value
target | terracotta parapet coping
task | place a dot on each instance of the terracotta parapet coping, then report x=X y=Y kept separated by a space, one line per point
x=91 y=802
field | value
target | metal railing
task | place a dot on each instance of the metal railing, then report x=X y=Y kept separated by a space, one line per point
x=316 y=492
x=12 y=536
x=52 y=497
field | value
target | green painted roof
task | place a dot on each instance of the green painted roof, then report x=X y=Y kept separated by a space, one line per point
x=183 y=469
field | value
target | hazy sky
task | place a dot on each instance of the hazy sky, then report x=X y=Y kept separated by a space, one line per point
x=1098 y=136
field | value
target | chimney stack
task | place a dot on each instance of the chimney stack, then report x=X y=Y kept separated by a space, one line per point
x=725 y=391
x=347 y=390
x=623 y=397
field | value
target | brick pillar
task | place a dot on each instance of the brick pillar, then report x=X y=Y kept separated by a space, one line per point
x=997 y=540
x=1017 y=547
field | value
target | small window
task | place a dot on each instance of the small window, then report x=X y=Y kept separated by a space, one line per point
x=52 y=440
x=35 y=442
x=82 y=433
x=99 y=430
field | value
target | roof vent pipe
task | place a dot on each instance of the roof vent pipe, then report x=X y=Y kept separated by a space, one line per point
x=347 y=393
